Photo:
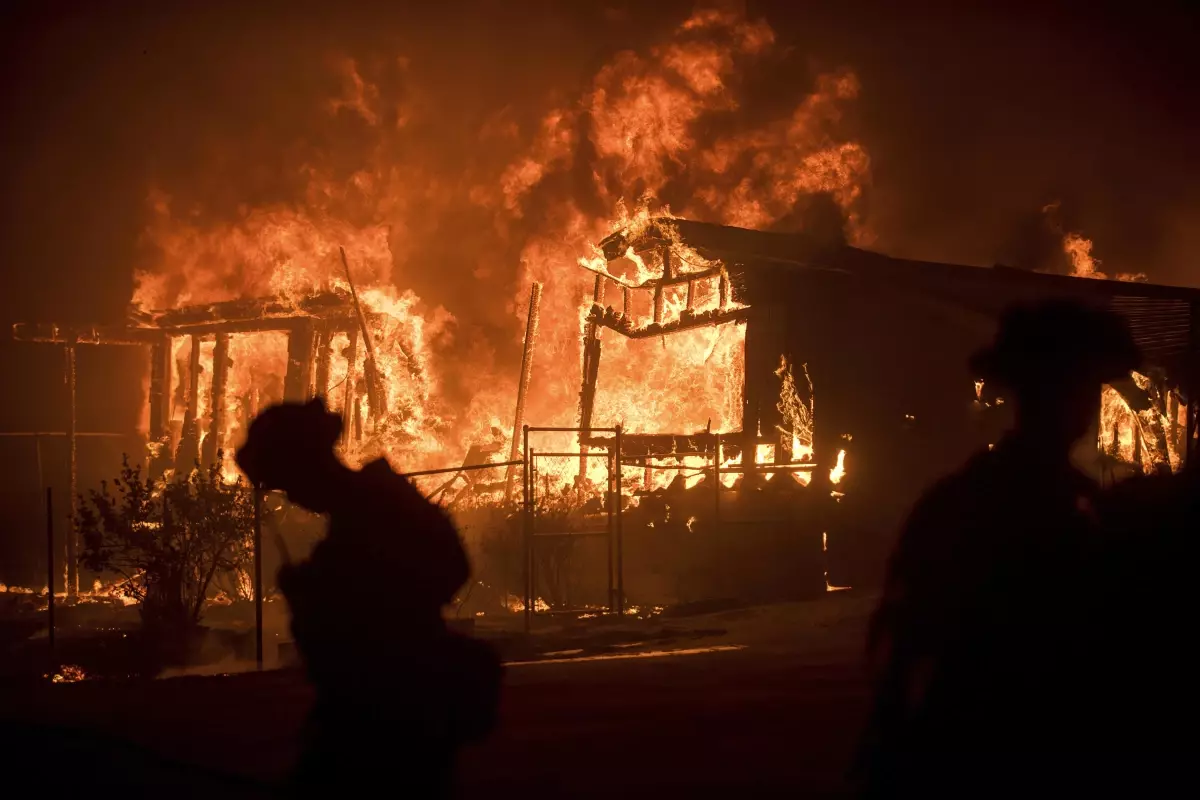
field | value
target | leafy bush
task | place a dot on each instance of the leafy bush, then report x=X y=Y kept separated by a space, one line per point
x=169 y=538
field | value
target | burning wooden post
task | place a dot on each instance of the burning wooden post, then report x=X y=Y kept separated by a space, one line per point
x=300 y=361
x=531 y=326
x=324 y=356
x=160 y=405
x=668 y=275
x=587 y=395
x=351 y=379
x=72 y=577
x=214 y=443
x=376 y=397
x=189 y=440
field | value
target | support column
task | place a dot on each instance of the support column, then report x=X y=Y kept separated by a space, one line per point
x=300 y=362
x=160 y=406
x=72 y=548
x=214 y=443
x=587 y=393
x=188 y=452
x=348 y=395
x=323 y=357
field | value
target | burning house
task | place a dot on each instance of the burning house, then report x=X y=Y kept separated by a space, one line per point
x=882 y=344
x=843 y=389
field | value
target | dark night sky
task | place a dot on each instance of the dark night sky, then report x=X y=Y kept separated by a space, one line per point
x=974 y=117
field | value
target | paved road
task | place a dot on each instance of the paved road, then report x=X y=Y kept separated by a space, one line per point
x=753 y=711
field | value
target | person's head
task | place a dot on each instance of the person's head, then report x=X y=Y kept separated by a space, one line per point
x=290 y=447
x=1053 y=358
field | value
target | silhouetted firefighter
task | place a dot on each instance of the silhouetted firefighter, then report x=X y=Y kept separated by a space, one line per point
x=984 y=632
x=397 y=694
x=1146 y=651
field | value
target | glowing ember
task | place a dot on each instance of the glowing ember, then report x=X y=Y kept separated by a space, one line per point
x=516 y=604
x=839 y=470
x=68 y=673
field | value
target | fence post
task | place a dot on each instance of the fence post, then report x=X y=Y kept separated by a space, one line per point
x=620 y=532
x=50 y=575
x=526 y=526
x=258 y=592
x=612 y=527
x=717 y=484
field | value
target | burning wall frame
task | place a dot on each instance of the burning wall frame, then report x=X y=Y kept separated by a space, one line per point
x=760 y=273
x=310 y=326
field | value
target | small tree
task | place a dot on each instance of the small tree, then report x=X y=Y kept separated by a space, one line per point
x=168 y=538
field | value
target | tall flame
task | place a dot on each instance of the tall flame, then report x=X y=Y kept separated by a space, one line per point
x=641 y=129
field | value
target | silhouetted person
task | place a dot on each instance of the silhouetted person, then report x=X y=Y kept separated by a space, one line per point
x=396 y=693
x=986 y=617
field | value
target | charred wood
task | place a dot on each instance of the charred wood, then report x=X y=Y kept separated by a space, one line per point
x=214 y=443
x=188 y=452
x=300 y=360
x=323 y=358
x=351 y=380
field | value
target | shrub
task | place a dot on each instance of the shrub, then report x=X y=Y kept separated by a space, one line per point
x=169 y=538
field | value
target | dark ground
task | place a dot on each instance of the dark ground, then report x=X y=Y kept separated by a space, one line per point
x=778 y=714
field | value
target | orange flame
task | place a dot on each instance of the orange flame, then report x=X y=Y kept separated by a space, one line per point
x=640 y=130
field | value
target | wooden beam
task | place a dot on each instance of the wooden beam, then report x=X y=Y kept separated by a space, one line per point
x=93 y=335
x=323 y=357
x=160 y=389
x=215 y=443
x=701 y=320
x=351 y=378
x=300 y=360
x=188 y=452
x=587 y=392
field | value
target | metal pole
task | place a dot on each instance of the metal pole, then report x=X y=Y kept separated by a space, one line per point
x=716 y=484
x=612 y=526
x=620 y=532
x=716 y=534
x=531 y=326
x=258 y=593
x=525 y=525
x=73 y=479
x=50 y=569
x=532 y=587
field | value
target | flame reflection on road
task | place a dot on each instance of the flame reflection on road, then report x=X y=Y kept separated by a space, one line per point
x=691 y=651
